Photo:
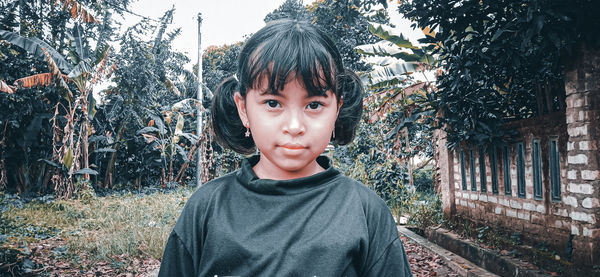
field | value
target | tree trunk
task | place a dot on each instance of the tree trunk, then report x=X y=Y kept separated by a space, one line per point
x=170 y=175
x=162 y=179
x=409 y=160
x=108 y=178
x=538 y=98
x=3 y=174
x=84 y=134
x=47 y=175
x=190 y=157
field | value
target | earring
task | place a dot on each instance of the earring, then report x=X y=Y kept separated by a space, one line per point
x=247 y=134
x=333 y=135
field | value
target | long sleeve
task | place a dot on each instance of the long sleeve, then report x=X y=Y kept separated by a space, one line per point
x=176 y=260
x=393 y=262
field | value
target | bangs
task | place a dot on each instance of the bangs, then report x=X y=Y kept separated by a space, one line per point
x=298 y=53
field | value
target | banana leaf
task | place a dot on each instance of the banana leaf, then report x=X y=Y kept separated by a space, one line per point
x=35 y=46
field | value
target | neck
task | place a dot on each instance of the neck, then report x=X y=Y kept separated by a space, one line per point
x=264 y=169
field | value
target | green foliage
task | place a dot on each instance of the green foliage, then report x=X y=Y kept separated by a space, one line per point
x=138 y=121
x=26 y=117
x=36 y=48
x=406 y=104
x=292 y=9
x=387 y=177
x=70 y=139
x=219 y=62
x=502 y=59
x=396 y=57
x=426 y=210
x=347 y=22
x=423 y=180
x=151 y=85
x=370 y=160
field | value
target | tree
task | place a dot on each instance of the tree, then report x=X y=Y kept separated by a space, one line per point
x=406 y=104
x=50 y=21
x=346 y=21
x=501 y=59
x=220 y=62
x=70 y=154
x=142 y=122
x=292 y=9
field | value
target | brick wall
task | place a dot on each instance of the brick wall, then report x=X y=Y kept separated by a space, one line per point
x=547 y=216
x=583 y=184
x=532 y=217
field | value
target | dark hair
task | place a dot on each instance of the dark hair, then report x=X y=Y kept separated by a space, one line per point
x=281 y=48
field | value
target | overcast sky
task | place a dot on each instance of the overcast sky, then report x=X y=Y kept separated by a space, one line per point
x=223 y=21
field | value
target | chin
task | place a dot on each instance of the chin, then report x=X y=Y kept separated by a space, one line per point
x=293 y=166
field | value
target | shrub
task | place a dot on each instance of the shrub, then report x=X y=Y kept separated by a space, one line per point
x=426 y=210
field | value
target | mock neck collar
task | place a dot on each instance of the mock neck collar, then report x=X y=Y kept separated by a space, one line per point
x=249 y=179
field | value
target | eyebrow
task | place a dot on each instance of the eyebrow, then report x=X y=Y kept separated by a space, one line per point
x=308 y=96
x=269 y=91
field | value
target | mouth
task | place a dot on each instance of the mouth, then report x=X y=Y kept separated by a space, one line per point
x=292 y=146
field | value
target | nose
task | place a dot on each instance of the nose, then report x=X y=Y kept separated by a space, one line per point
x=294 y=124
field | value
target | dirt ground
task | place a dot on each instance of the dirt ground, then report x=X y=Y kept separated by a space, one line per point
x=425 y=263
x=50 y=254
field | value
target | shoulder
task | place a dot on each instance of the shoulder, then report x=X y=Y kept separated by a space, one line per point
x=206 y=191
x=368 y=198
x=197 y=205
x=377 y=214
x=191 y=224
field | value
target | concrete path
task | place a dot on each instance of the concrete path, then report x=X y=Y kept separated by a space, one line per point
x=458 y=264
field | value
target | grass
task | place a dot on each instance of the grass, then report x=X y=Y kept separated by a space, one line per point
x=102 y=227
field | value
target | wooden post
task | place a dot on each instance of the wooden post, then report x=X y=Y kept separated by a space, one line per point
x=200 y=107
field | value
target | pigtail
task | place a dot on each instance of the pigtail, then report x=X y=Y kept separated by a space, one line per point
x=226 y=123
x=350 y=88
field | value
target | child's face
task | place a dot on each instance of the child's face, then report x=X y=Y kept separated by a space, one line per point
x=290 y=129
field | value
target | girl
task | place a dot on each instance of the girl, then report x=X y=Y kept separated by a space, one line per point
x=286 y=211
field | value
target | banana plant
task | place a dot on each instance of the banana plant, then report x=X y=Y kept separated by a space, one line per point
x=70 y=141
x=394 y=57
x=395 y=90
x=166 y=141
x=78 y=11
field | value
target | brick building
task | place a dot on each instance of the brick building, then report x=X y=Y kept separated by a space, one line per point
x=543 y=183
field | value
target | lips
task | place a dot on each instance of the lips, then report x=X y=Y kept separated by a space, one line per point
x=293 y=146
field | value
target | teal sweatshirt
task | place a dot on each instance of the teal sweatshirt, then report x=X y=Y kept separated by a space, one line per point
x=321 y=225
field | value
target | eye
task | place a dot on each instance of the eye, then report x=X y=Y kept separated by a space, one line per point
x=272 y=104
x=314 y=105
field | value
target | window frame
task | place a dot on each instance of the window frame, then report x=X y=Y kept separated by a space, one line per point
x=506 y=163
x=463 y=169
x=520 y=161
x=482 y=170
x=554 y=161
x=472 y=169
x=536 y=166
x=493 y=156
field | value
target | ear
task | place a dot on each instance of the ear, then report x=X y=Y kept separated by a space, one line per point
x=339 y=106
x=240 y=103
